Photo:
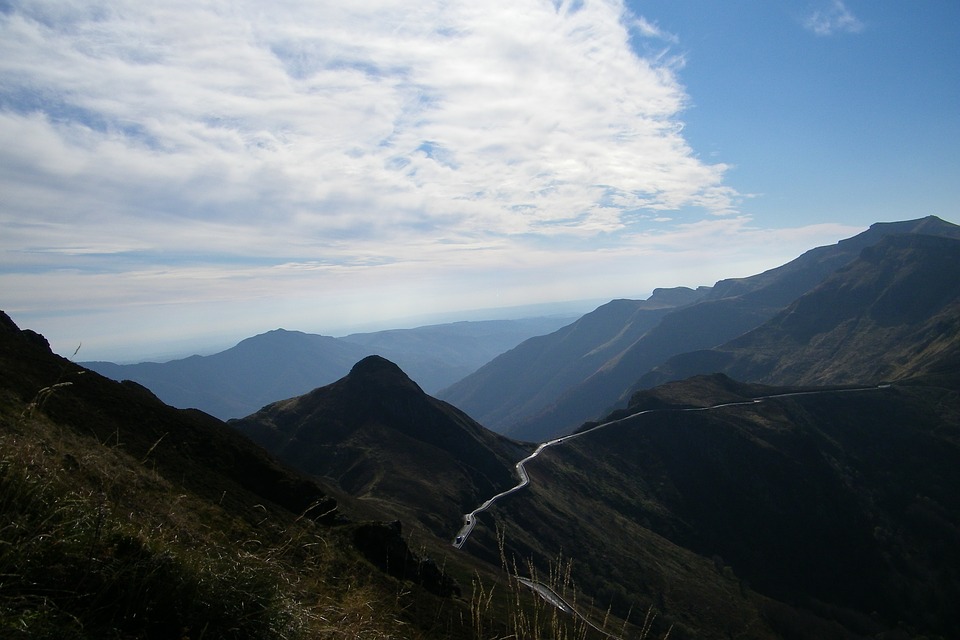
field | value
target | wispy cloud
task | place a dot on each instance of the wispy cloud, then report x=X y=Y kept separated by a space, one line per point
x=836 y=18
x=652 y=30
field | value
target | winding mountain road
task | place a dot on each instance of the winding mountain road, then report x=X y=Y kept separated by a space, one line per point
x=470 y=519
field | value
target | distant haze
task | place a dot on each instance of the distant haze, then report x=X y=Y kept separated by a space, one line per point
x=208 y=344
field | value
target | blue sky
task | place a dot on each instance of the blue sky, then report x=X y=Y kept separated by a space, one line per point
x=831 y=111
x=176 y=176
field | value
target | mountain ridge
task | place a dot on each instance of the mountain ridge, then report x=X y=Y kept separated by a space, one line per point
x=734 y=509
x=282 y=363
x=727 y=310
x=528 y=377
x=887 y=315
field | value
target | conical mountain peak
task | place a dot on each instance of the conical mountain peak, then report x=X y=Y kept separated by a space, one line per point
x=376 y=433
x=377 y=373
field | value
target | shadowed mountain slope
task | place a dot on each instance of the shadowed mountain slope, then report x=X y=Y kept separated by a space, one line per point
x=126 y=518
x=376 y=435
x=731 y=308
x=840 y=504
x=529 y=378
x=891 y=314
x=214 y=460
x=379 y=437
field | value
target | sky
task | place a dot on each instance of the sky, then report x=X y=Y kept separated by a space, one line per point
x=178 y=175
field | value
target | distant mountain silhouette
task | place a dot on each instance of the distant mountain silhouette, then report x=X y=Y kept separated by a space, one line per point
x=893 y=313
x=727 y=310
x=379 y=437
x=438 y=355
x=280 y=363
x=240 y=380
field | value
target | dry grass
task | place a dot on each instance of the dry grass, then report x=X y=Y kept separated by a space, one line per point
x=94 y=544
x=97 y=543
x=519 y=612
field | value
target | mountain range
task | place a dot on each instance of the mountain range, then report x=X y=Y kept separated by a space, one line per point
x=786 y=511
x=529 y=379
x=797 y=479
x=889 y=314
x=280 y=364
x=588 y=386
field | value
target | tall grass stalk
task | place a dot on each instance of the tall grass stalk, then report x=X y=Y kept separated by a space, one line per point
x=94 y=545
x=522 y=613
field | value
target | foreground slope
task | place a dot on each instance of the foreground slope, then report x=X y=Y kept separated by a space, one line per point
x=125 y=518
x=731 y=308
x=894 y=313
x=213 y=460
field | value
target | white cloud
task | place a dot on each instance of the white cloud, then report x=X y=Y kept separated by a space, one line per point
x=836 y=18
x=191 y=151
x=652 y=30
x=325 y=111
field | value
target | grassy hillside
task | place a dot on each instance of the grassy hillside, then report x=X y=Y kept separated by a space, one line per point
x=892 y=314
x=821 y=515
x=121 y=517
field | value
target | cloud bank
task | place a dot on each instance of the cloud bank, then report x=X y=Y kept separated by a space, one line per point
x=188 y=152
